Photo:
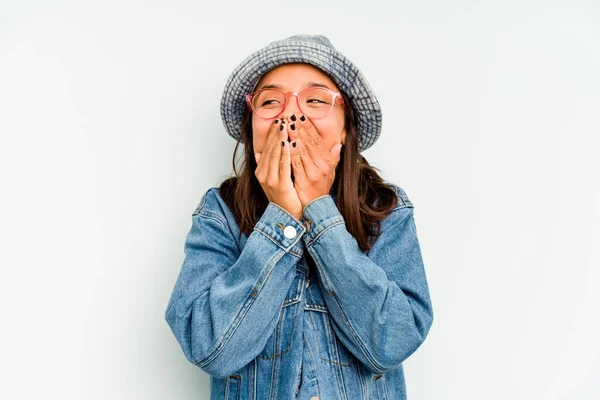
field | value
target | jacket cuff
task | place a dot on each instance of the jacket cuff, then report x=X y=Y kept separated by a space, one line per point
x=282 y=228
x=319 y=215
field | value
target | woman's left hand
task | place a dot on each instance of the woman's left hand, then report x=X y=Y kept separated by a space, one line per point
x=313 y=165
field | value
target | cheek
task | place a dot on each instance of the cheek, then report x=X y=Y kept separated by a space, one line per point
x=259 y=134
x=330 y=129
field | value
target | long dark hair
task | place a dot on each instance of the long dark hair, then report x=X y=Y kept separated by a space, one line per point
x=363 y=198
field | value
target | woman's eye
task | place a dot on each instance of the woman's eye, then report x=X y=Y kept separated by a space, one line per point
x=315 y=100
x=268 y=102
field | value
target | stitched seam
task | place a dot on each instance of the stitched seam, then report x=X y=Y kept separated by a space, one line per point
x=315 y=307
x=336 y=362
x=312 y=201
x=362 y=381
x=291 y=340
x=314 y=364
x=286 y=249
x=380 y=380
x=322 y=231
x=201 y=205
x=209 y=215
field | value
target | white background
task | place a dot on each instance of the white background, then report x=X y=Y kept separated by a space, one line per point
x=111 y=132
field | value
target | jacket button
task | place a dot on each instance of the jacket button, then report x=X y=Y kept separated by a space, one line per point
x=307 y=225
x=289 y=232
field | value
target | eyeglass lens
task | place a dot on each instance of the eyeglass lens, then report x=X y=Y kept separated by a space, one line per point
x=314 y=102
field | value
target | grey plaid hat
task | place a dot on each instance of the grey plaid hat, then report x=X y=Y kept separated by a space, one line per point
x=316 y=50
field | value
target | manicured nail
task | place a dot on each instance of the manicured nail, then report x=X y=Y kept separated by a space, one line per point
x=281 y=127
x=293 y=117
x=294 y=143
x=275 y=122
x=303 y=118
x=293 y=126
x=282 y=143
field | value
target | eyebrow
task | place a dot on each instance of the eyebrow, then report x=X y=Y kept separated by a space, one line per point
x=317 y=84
x=313 y=84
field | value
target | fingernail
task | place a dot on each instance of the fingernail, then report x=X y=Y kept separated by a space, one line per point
x=294 y=143
x=303 y=118
x=293 y=126
x=282 y=143
x=293 y=117
x=275 y=122
x=281 y=127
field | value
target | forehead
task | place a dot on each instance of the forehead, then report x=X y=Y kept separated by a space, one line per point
x=294 y=75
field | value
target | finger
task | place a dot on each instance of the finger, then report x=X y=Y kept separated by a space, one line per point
x=262 y=168
x=271 y=136
x=273 y=133
x=296 y=162
x=292 y=132
x=311 y=170
x=313 y=142
x=285 y=168
x=275 y=154
x=336 y=150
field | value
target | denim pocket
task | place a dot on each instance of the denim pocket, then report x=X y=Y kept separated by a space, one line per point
x=328 y=346
x=281 y=339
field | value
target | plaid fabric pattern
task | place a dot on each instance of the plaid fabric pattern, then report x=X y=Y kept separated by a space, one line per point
x=316 y=50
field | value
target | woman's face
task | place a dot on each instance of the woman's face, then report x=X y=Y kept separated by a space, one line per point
x=294 y=78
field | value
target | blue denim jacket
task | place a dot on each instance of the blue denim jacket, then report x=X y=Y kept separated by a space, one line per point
x=296 y=310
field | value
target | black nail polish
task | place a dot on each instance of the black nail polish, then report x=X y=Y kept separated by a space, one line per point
x=293 y=126
x=280 y=127
x=293 y=117
x=294 y=144
x=275 y=122
x=282 y=143
x=303 y=118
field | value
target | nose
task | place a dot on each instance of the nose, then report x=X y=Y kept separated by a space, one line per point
x=291 y=107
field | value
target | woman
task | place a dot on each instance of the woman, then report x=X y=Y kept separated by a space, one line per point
x=303 y=276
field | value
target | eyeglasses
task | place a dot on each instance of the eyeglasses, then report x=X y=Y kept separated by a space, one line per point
x=314 y=102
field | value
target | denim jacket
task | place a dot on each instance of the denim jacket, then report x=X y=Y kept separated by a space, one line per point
x=296 y=310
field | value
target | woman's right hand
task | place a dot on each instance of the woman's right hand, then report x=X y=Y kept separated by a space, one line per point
x=274 y=173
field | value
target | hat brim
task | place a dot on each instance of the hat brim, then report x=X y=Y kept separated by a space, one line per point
x=342 y=71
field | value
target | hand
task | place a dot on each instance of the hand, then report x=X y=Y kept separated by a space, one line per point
x=274 y=172
x=312 y=164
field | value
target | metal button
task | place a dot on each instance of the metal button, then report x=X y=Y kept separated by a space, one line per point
x=289 y=232
x=307 y=225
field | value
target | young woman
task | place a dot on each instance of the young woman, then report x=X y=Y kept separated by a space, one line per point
x=303 y=276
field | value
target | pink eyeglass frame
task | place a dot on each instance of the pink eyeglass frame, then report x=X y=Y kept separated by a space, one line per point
x=335 y=95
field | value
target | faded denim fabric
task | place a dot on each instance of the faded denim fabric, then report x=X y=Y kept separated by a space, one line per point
x=296 y=310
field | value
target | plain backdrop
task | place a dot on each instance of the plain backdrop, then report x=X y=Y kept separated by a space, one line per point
x=111 y=132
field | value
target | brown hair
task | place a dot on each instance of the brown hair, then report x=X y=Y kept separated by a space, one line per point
x=363 y=198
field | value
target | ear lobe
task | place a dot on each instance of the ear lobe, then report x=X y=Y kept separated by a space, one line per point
x=344 y=137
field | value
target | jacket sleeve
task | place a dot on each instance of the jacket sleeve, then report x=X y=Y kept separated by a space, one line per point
x=226 y=302
x=379 y=301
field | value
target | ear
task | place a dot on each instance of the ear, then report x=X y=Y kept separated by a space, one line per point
x=344 y=137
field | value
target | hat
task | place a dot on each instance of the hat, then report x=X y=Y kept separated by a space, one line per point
x=316 y=50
